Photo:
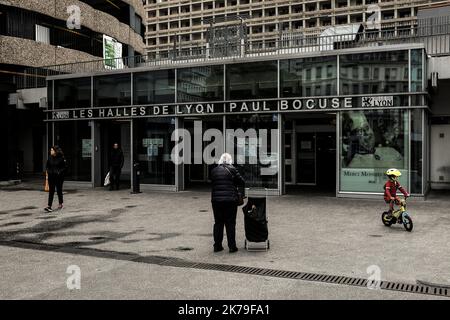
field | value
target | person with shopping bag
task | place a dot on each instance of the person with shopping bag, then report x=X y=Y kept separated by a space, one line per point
x=55 y=171
x=116 y=162
x=225 y=198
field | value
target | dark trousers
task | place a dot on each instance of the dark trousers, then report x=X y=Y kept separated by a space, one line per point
x=114 y=176
x=224 y=216
x=55 y=183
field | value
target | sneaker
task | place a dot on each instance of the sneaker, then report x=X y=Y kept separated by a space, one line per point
x=218 y=249
x=232 y=250
x=60 y=207
x=48 y=209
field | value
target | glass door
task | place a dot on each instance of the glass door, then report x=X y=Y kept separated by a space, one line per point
x=306 y=158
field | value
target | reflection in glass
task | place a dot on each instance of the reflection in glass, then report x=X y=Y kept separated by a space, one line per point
x=74 y=138
x=154 y=87
x=256 y=80
x=112 y=90
x=307 y=76
x=416 y=70
x=374 y=72
x=200 y=84
x=73 y=93
x=153 y=146
x=416 y=150
x=372 y=142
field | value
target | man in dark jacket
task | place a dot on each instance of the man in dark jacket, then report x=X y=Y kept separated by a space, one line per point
x=115 y=166
x=224 y=198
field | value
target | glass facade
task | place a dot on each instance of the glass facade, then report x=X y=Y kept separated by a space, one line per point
x=200 y=84
x=153 y=146
x=416 y=71
x=256 y=80
x=416 y=151
x=371 y=137
x=154 y=87
x=74 y=138
x=112 y=90
x=73 y=93
x=308 y=77
x=374 y=72
x=263 y=172
x=370 y=143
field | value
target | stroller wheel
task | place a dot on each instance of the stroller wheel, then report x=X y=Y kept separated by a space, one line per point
x=268 y=244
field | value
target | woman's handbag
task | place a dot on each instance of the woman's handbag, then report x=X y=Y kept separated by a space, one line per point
x=46 y=187
x=240 y=199
x=107 y=181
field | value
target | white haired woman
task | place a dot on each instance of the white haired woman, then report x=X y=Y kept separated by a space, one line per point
x=224 y=198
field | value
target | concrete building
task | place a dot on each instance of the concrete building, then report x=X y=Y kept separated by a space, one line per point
x=171 y=22
x=35 y=35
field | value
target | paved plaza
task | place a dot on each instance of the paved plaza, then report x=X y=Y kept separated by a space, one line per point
x=116 y=239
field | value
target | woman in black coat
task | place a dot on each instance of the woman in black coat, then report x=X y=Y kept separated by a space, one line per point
x=224 y=198
x=56 y=167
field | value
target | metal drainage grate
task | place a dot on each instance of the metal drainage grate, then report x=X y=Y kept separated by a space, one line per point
x=419 y=288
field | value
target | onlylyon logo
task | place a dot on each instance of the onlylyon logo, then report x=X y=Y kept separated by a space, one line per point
x=246 y=147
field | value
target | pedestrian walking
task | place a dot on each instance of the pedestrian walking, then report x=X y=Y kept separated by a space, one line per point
x=55 y=169
x=115 y=166
x=225 y=198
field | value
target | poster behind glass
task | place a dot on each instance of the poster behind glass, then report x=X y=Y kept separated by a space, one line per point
x=372 y=142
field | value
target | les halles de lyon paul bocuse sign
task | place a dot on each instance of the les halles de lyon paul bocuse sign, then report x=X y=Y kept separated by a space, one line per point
x=282 y=105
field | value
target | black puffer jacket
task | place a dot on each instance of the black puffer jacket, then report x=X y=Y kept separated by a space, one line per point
x=224 y=183
x=56 y=166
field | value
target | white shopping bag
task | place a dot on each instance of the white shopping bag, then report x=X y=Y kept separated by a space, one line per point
x=107 y=180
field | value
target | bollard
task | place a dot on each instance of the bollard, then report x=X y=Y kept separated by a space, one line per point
x=136 y=178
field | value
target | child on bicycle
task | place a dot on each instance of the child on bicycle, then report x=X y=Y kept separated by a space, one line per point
x=391 y=187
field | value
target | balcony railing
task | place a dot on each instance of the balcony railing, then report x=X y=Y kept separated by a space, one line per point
x=434 y=34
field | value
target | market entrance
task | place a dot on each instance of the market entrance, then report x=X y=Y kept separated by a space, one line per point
x=115 y=131
x=310 y=152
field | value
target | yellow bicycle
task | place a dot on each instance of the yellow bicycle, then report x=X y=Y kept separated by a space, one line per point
x=398 y=216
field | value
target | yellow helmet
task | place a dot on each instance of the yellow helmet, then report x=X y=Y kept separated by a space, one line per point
x=393 y=173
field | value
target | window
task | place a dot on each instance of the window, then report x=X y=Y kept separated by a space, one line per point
x=200 y=84
x=382 y=68
x=153 y=147
x=371 y=142
x=154 y=87
x=416 y=70
x=296 y=76
x=74 y=138
x=42 y=34
x=256 y=80
x=263 y=173
x=112 y=90
x=73 y=93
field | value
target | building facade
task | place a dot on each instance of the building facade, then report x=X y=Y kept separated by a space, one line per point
x=334 y=120
x=170 y=22
x=35 y=35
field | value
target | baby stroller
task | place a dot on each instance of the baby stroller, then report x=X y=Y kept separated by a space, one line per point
x=255 y=222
